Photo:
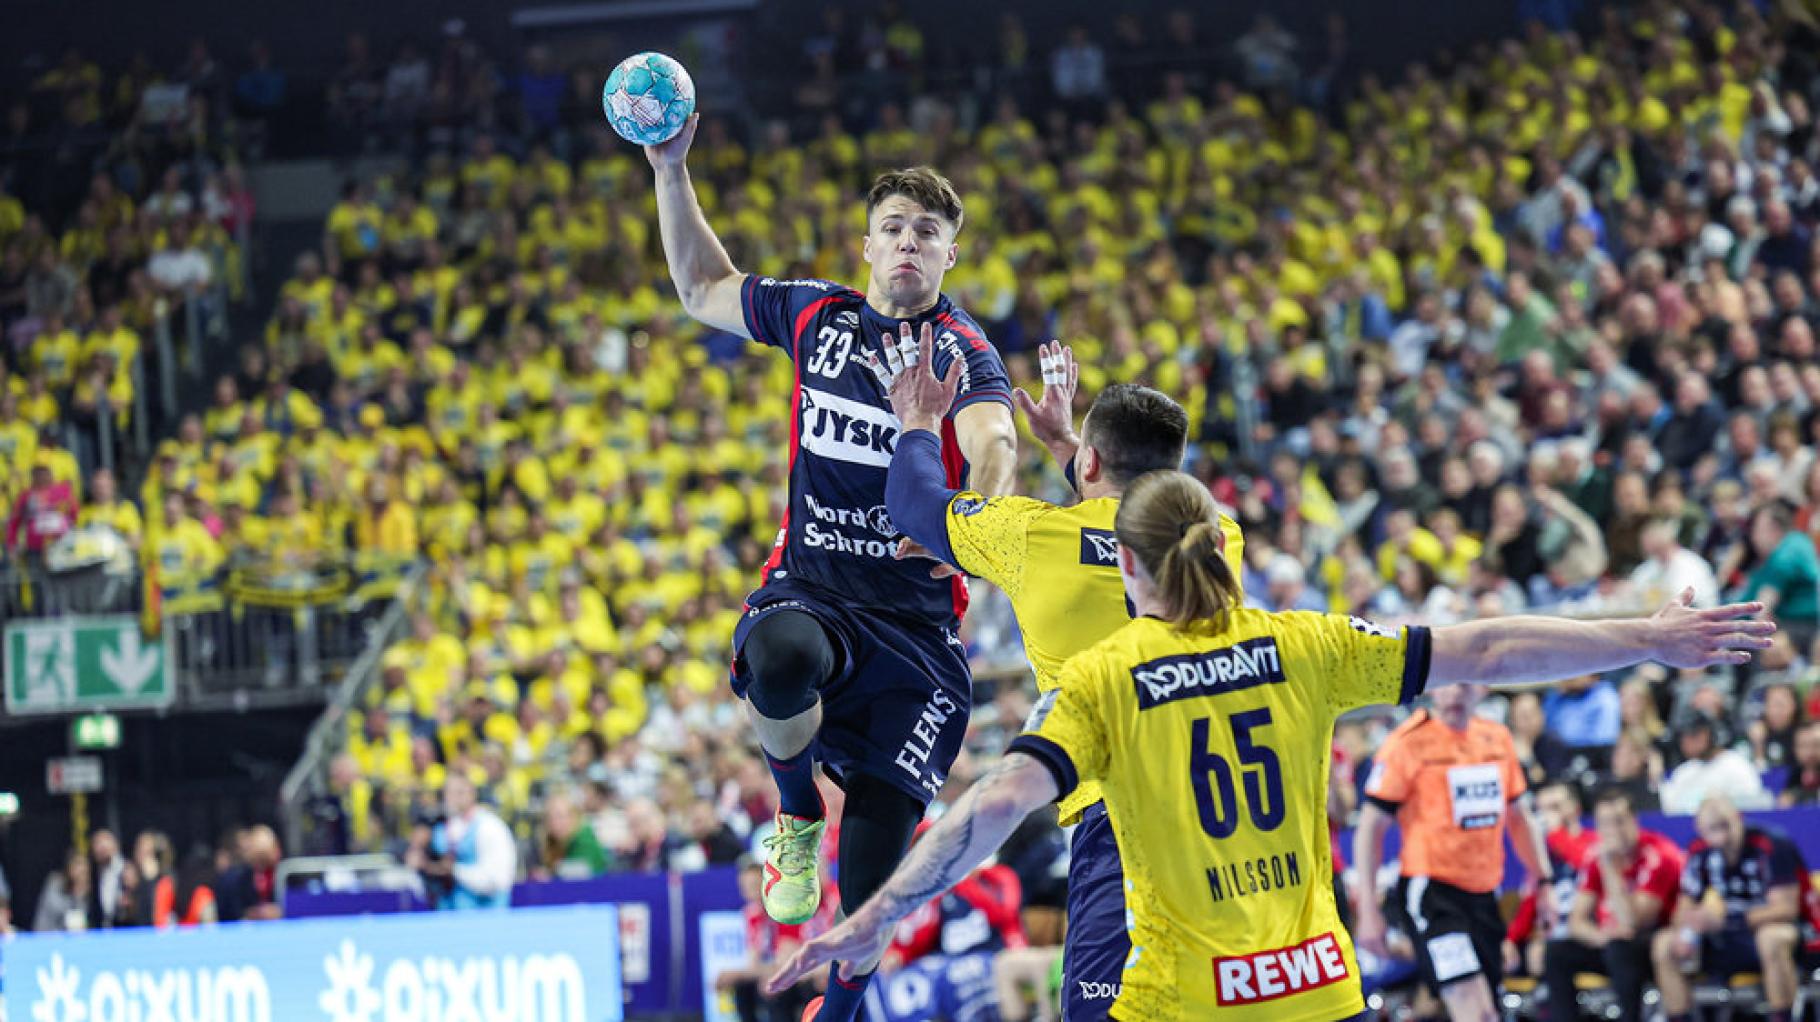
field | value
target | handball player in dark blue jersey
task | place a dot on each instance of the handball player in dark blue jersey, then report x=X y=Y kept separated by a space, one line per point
x=847 y=655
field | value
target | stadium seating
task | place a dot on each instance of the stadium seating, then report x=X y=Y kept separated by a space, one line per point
x=1448 y=344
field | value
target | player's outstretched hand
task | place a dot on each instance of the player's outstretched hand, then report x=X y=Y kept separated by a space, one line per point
x=1686 y=637
x=1052 y=418
x=851 y=942
x=675 y=151
x=907 y=372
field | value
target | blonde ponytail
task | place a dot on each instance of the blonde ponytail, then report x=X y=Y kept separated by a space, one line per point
x=1170 y=522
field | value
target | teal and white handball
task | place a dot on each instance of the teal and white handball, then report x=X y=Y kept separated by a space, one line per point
x=648 y=98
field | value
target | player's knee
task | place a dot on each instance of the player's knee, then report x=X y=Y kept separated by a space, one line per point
x=788 y=657
x=1662 y=950
x=1775 y=940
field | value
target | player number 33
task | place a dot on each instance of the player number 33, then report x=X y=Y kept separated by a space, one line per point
x=1215 y=793
x=831 y=350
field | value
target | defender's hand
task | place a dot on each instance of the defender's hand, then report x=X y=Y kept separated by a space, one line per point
x=907 y=372
x=1052 y=418
x=1685 y=637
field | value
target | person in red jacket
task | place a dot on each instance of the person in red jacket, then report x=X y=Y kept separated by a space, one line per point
x=1569 y=843
x=1628 y=888
x=42 y=514
x=981 y=913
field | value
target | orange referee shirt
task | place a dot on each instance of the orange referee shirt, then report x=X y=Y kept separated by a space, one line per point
x=1450 y=790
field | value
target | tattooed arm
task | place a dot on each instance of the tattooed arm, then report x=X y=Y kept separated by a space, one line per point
x=981 y=821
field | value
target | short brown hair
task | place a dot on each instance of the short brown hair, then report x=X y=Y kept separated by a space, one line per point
x=921 y=185
x=1136 y=430
x=1170 y=522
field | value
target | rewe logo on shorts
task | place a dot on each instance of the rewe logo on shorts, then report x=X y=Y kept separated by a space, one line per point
x=847 y=430
x=1268 y=975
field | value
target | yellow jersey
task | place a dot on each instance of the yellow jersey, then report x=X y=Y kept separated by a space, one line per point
x=1212 y=749
x=1059 y=565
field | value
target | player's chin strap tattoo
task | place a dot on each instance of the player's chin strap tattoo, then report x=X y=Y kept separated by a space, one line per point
x=975 y=828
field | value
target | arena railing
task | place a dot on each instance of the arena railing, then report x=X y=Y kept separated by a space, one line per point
x=308 y=779
x=235 y=641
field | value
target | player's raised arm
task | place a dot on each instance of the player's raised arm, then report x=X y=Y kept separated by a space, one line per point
x=988 y=440
x=706 y=279
x=1051 y=418
x=1525 y=649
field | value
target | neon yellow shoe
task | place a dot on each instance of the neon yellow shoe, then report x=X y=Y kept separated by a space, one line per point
x=793 y=882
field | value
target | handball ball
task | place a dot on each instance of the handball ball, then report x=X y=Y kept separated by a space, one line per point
x=648 y=98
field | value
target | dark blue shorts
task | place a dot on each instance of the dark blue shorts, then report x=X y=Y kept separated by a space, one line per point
x=1098 y=943
x=896 y=706
x=1729 y=952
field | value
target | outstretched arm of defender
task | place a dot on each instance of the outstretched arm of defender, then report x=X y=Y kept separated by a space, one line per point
x=706 y=279
x=1526 y=650
x=962 y=839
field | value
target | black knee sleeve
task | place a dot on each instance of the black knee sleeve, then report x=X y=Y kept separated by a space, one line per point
x=788 y=657
x=875 y=830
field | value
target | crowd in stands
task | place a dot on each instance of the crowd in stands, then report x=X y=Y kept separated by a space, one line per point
x=107 y=886
x=121 y=204
x=1533 y=330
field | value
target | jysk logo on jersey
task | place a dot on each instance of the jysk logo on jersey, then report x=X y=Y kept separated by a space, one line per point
x=1234 y=668
x=846 y=430
x=1099 y=547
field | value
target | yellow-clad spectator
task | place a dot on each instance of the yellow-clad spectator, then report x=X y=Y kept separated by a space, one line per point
x=113 y=335
x=183 y=559
x=105 y=507
x=18 y=438
x=294 y=537
x=100 y=389
x=489 y=170
x=39 y=406
x=1404 y=538
x=352 y=232
x=56 y=351
x=385 y=526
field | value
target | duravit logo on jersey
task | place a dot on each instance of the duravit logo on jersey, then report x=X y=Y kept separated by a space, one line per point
x=1233 y=668
x=847 y=430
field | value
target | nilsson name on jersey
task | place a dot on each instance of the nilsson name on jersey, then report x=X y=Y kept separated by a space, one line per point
x=1254 y=876
x=1233 y=668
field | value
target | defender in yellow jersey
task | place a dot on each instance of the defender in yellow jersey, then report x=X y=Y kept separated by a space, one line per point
x=1200 y=720
x=1059 y=566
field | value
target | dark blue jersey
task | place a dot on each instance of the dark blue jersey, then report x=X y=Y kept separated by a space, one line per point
x=951 y=989
x=1768 y=859
x=836 y=534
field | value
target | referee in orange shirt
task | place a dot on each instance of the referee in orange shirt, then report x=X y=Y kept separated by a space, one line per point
x=1453 y=784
